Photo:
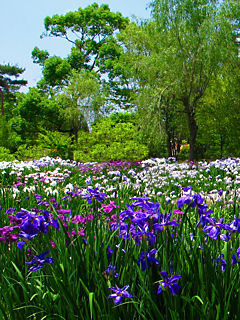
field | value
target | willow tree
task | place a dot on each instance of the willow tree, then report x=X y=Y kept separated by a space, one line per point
x=160 y=115
x=81 y=101
x=200 y=39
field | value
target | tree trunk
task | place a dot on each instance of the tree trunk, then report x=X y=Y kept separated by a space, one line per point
x=221 y=145
x=169 y=138
x=169 y=145
x=193 y=128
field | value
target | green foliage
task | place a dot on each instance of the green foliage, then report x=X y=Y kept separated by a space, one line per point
x=179 y=70
x=176 y=55
x=161 y=120
x=36 y=111
x=26 y=152
x=4 y=131
x=110 y=140
x=39 y=56
x=92 y=33
x=9 y=83
x=123 y=117
x=56 y=71
x=56 y=144
x=67 y=112
x=5 y=155
x=8 y=137
x=31 y=115
x=90 y=30
x=82 y=100
x=218 y=116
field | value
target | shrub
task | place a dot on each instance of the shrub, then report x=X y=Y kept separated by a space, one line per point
x=25 y=152
x=5 y=154
x=184 y=151
x=56 y=144
x=110 y=141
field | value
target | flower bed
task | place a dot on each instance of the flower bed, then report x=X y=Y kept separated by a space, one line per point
x=154 y=239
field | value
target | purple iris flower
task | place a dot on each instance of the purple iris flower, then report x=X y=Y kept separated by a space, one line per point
x=186 y=189
x=140 y=200
x=164 y=223
x=6 y=234
x=10 y=210
x=214 y=229
x=93 y=194
x=235 y=225
x=20 y=244
x=32 y=223
x=203 y=220
x=221 y=262
x=202 y=209
x=38 y=197
x=234 y=259
x=124 y=230
x=110 y=271
x=119 y=294
x=65 y=211
x=147 y=259
x=39 y=260
x=194 y=200
x=148 y=211
x=143 y=232
x=197 y=200
x=109 y=253
x=170 y=284
x=183 y=200
x=140 y=218
x=144 y=203
x=130 y=212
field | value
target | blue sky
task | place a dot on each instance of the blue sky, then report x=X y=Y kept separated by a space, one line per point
x=21 y=24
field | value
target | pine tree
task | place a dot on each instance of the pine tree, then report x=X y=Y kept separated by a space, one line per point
x=9 y=83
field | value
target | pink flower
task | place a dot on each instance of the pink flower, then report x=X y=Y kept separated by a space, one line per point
x=79 y=219
x=109 y=207
x=90 y=217
x=53 y=244
x=176 y=211
x=114 y=217
x=81 y=232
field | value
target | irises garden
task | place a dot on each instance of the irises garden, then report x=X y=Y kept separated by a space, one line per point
x=155 y=239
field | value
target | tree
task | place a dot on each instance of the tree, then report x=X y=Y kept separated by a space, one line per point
x=68 y=112
x=9 y=82
x=218 y=115
x=91 y=31
x=82 y=100
x=160 y=114
x=199 y=38
x=35 y=112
